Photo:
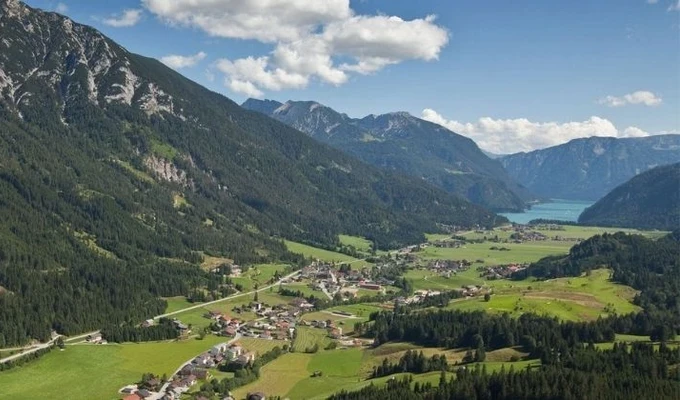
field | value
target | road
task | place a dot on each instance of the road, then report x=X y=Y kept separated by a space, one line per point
x=40 y=346
x=226 y=298
x=158 y=395
x=84 y=335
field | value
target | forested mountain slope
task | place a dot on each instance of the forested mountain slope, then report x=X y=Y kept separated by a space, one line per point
x=117 y=174
x=650 y=200
x=588 y=168
x=401 y=142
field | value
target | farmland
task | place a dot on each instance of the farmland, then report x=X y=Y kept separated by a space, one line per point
x=96 y=371
x=307 y=337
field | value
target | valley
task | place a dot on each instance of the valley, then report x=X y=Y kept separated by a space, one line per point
x=346 y=366
x=456 y=213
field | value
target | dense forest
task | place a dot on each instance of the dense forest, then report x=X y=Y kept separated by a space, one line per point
x=650 y=200
x=565 y=350
x=552 y=382
x=110 y=198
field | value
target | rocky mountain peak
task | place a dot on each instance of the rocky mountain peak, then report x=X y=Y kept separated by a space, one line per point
x=43 y=52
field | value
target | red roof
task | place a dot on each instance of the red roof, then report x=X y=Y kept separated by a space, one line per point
x=133 y=396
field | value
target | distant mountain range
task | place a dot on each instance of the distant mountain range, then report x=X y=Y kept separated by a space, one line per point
x=587 y=169
x=401 y=142
x=650 y=200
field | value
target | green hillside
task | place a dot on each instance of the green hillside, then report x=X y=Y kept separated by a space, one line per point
x=117 y=174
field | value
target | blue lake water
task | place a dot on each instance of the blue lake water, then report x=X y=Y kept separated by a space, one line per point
x=564 y=210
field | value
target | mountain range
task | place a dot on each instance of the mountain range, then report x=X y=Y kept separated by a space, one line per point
x=403 y=143
x=588 y=168
x=650 y=200
x=117 y=176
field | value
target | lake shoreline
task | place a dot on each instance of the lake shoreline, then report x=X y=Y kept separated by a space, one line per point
x=552 y=209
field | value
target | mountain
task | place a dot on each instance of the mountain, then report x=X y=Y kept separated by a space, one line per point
x=118 y=175
x=401 y=142
x=650 y=200
x=587 y=169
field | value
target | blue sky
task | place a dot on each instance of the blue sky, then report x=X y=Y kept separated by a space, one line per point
x=513 y=75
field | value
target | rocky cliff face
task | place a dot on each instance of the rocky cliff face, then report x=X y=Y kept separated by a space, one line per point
x=73 y=62
x=587 y=169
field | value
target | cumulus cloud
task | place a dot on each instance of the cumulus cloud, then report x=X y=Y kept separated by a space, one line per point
x=311 y=40
x=127 y=18
x=61 y=8
x=643 y=97
x=675 y=6
x=178 y=62
x=504 y=136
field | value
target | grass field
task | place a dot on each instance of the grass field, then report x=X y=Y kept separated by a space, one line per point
x=279 y=376
x=359 y=243
x=260 y=346
x=96 y=371
x=580 y=298
x=305 y=289
x=306 y=337
x=260 y=274
x=177 y=303
x=519 y=253
x=290 y=376
x=321 y=254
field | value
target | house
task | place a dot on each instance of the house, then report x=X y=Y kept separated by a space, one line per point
x=256 y=396
x=212 y=314
x=95 y=338
x=219 y=348
x=189 y=381
x=370 y=286
x=186 y=370
x=133 y=396
x=201 y=373
x=266 y=335
x=129 y=389
x=147 y=323
x=336 y=333
x=234 y=351
x=229 y=331
x=143 y=393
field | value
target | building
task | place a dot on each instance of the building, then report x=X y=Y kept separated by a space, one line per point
x=219 y=348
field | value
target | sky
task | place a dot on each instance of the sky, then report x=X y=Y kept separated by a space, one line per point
x=512 y=75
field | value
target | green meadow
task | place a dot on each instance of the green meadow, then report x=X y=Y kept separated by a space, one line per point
x=290 y=376
x=576 y=299
x=260 y=274
x=88 y=372
x=359 y=243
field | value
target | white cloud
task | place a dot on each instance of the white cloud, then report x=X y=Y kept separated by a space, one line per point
x=504 y=136
x=264 y=20
x=127 y=18
x=644 y=97
x=177 y=61
x=322 y=40
x=61 y=8
x=675 y=6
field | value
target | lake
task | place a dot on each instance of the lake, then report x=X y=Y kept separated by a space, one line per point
x=563 y=210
